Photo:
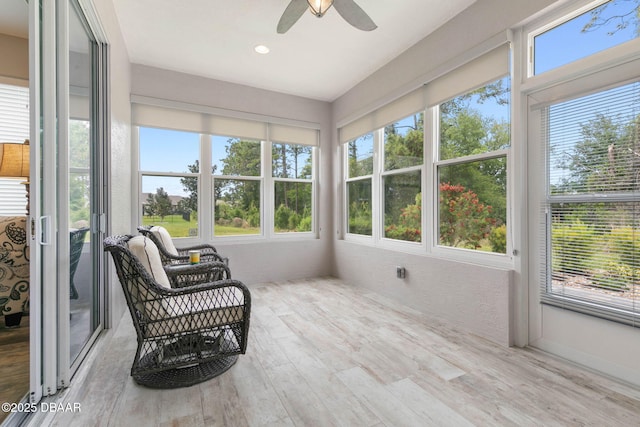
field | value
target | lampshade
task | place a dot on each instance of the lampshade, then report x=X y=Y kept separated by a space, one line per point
x=14 y=160
x=319 y=7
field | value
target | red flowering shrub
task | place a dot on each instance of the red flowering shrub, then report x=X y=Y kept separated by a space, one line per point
x=464 y=221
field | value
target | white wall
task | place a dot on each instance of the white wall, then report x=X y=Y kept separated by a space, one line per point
x=14 y=52
x=472 y=297
x=258 y=260
x=120 y=164
x=608 y=347
x=476 y=298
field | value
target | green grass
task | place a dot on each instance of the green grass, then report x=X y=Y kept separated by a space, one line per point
x=175 y=225
x=178 y=227
x=227 y=230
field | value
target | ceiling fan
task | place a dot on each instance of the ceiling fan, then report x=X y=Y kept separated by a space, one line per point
x=348 y=9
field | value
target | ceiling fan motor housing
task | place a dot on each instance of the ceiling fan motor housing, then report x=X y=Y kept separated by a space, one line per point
x=319 y=7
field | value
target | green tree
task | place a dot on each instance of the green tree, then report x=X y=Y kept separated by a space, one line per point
x=190 y=186
x=404 y=147
x=360 y=153
x=243 y=159
x=409 y=224
x=159 y=204
x=292 y=199
x=80 y=158
x=607 y=157
x=79 y=188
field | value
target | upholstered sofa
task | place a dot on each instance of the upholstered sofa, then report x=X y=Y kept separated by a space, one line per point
x=14 y=269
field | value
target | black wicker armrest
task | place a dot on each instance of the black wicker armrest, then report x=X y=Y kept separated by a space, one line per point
x=207 y=251
x=202 y=247
x=182 y=275
x=205 y=256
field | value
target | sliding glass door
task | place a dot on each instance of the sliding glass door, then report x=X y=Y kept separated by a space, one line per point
x=68 y=194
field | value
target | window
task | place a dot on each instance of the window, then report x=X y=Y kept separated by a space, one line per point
x=237 y=182
x=169 y=167
x=359 y=172
x=435 y=180
x=225 y=177
x=399 y=176
x=601 y=27
x=593 y=203
x=472 y=168
x=402 y=177
x=292 y=170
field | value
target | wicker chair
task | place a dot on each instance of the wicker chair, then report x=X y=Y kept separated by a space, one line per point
x=172 y=255
x=76 y=243
x=185 y=335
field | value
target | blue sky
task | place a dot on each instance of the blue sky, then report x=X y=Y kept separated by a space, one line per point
x=567 y=43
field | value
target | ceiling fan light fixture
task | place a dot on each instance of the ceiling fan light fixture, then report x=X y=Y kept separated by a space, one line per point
x=319 y=7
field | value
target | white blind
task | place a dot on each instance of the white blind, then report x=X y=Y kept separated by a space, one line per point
x=14 y=127
x=395 y=110
x=14 y=113
x=13 y=197
x=473 y=74
x=593 y=204
x=204 y=122
x=292 y=134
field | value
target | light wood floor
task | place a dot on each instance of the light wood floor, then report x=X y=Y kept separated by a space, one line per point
x=14 y=363
x=322 y=353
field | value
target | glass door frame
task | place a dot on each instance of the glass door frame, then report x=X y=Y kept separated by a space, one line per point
x=51 y=367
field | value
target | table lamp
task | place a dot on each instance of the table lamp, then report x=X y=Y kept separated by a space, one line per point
x=14 y=163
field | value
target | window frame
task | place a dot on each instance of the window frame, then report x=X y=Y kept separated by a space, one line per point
x=260 y=178
x=206 y=182
x=429 y=244
x=311 y=181
x=587 y=305
x=151 y=173
x=610 y=68
x=375 y=201
x=612 y=56
x=438 y=248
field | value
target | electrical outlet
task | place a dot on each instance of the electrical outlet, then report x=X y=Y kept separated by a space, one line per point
x=400 y=272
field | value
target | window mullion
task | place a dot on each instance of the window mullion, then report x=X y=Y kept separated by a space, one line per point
x=268 y=189
x=377 y=189
x=429 y=178
x=205 y=190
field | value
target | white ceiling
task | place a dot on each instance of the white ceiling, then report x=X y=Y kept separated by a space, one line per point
x=317 y=58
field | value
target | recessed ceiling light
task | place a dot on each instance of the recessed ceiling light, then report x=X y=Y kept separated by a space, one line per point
x=261 y=49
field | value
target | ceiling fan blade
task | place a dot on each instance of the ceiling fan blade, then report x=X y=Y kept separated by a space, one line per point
x=354 y=15
x=291 y=14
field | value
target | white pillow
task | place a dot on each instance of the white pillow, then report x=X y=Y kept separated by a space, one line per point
x=163 y=236
x=147 y=252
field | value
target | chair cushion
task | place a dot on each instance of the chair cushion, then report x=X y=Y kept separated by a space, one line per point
x=186 y=313
x=163 y=236
x=147 y=252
